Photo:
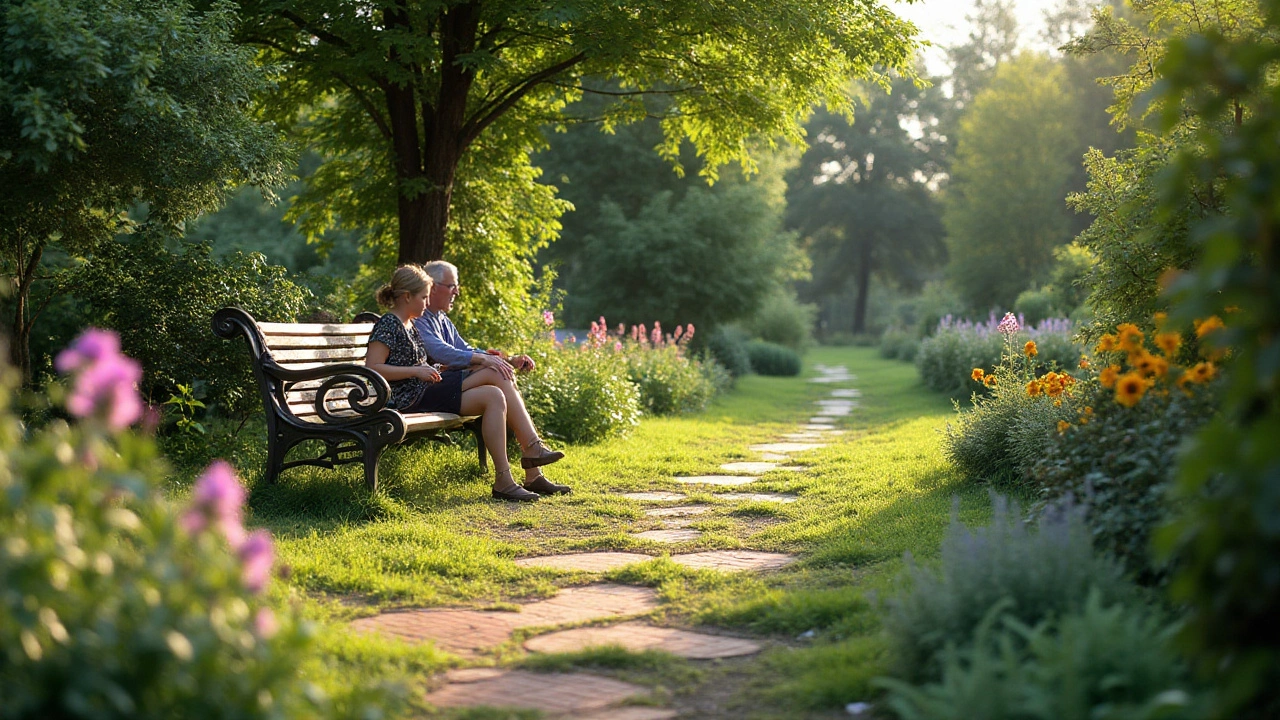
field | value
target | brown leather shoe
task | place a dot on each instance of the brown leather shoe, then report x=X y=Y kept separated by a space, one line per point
x=543 y=486
x=542 y=456
x=516 y=494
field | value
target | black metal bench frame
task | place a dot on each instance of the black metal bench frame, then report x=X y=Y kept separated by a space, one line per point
x=356 y=433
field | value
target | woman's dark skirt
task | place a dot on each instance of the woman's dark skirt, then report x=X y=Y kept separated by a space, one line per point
x=444 y=396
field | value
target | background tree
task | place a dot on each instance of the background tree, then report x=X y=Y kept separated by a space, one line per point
x=108 y=105
x=427 y=110
x=862 y=194
x=1004 y=208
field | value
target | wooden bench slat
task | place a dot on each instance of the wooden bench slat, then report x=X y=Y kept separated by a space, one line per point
x=316 y=341
x=308 y=364
x=318 y=354
x=314 y=328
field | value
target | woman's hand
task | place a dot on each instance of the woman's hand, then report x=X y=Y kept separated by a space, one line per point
x=428 y=373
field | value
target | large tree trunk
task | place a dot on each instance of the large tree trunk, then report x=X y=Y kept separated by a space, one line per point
x=20 y=352
x=864 y=287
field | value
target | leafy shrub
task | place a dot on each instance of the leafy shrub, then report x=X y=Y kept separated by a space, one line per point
x=1096 y=663
x=1119 y=460
x=1040 y=574
x=770 y=359
x=899 y=345
x=946 y=358
x=579 y=395
x=113 y=607
x=161 y=303
x=1036 y=304
x=784 y=320
x=1003 y=434
x=670 y=383
x=728 y=346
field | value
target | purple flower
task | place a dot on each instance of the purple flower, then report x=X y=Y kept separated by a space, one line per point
x=1009 y=324
x=265 y=624
x=218 y=498
x=106 y=381
x=256 y=558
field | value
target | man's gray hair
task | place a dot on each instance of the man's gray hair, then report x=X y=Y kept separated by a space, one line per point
x=437 y=269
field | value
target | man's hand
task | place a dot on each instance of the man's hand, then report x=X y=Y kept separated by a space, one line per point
x=493 y=359
x=522 y=363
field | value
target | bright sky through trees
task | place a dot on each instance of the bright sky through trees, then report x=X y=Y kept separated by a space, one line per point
x=942 y=23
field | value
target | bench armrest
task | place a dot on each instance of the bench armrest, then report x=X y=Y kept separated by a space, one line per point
x=357 y=380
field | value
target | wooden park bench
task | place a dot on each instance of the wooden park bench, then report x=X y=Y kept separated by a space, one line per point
x=315 y=387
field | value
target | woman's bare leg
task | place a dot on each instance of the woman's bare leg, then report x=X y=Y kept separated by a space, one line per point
x=490 y=403
x=517 y=415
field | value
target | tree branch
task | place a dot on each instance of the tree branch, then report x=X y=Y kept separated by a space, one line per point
x=492 y=111
x=303 y=24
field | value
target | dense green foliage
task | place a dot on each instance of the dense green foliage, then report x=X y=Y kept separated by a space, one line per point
x=161 y=303
x=110 y=104
x=727 y=345
x=947 y=358
x=772 y=359
x=1033 y=573
x=578 y=396
x=671 y=383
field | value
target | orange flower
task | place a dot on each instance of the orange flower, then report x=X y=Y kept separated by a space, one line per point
x=977 y=374
x=1160 y=319
x=1130 y=337
x=1062 y=426
x=1130 y=389
x=1107 y=343
x=1183 y=381
x=1086 y=415
x=1149 y=364
x=1084 y=363
x=1030 y=349
x=989 y=381
x=1202 y=372
x=1168 y=343
x=1034 y=388
x=1208 y=325
x=1109 y=375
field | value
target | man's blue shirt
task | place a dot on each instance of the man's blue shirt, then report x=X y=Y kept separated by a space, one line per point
x=444 y=344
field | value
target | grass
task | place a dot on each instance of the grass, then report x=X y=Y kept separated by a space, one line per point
x=431 y=536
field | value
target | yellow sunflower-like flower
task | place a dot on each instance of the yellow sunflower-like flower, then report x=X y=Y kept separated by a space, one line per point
x=977 y=374
x=1109 y=375
x=1108 y=343
x=1208 y=325
x=989 y=381
x=1168 y=343
x=1034 y=388
x=1202 y=372
x=1129 y=337
x=1130 y=388
x=1030 y=349
x=1062 y=426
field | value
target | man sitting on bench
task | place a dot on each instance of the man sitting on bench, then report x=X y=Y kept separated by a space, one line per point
x=446 y=346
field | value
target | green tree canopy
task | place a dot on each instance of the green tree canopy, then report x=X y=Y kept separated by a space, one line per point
x=1005 y=209
x=862 y=195
x=111 y=103
x=427 y=109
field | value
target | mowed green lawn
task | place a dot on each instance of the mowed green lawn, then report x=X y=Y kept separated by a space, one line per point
x=432 y=537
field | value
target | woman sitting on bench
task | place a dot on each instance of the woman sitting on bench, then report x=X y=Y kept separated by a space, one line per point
x=396 y=353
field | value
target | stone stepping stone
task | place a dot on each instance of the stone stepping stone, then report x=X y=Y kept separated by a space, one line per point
x=638 y=637
x=668 y=536
x=588 y=562
x=833 y=378
x=734 y=560
x=772 y=457
x=723 y=479
x=655 y=496
x=834 y=412
x=846 y=393
x=467 y=632
x=759 y=497
x=803 y=436
x=754 y=467
x=828 y=429
x=823 y=420
x=563 y=694
x=787 y=447
x=678 y=511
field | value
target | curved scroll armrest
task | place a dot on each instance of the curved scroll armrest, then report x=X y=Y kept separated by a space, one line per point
x=355 y=379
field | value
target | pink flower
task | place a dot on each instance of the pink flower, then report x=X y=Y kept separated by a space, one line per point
x=622 y=329
x=548 y=318
x=617 y=346
x=106 y=381
x=679 y=332
x=218 y=499
x=1009 y=324
x=256 y=558
x=265 y=624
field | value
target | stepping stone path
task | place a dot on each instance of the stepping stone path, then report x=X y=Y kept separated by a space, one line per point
x=588 y=562
x=638 y=637
x=752 y=467
x=759 y=497
x=561 y=694
x=734 y=560
x=468 y=632
x=668 y=536
x=656 y=496
x=678 y=511
x=724 y=479
x=772 y=457
x=822 y=427
x=846 y=393
x=787 y=447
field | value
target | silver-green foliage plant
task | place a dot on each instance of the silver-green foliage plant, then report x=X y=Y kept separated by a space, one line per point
x=112 y=604
x=1036 y=572
x=1100 y=662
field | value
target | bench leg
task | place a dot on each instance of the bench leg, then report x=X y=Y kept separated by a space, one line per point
x=277 y=448
x=480 y=449
x=371 y=454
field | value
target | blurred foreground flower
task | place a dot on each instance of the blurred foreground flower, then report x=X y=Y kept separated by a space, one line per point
x=106 y=381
